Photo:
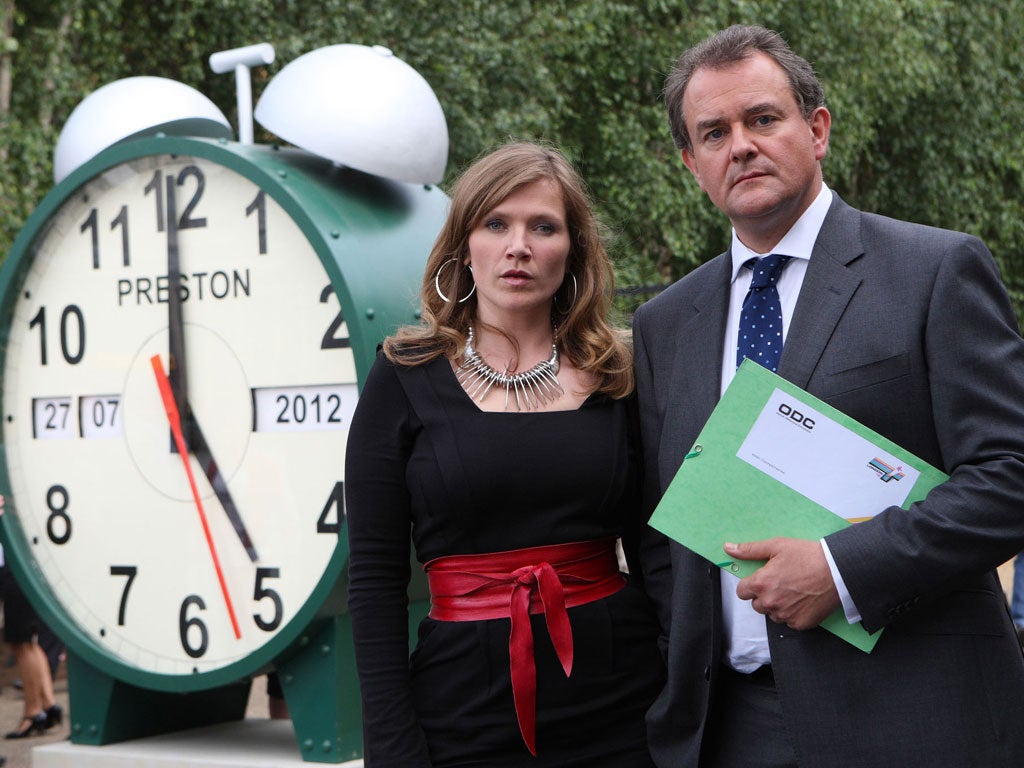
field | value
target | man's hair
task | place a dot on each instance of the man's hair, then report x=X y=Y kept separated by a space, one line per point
x=729 y=47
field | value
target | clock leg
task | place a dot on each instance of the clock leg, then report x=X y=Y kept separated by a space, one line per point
x=322 y=692
x=321 y=687
x=105 y=710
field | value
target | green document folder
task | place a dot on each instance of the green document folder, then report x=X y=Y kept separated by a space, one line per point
x=773 y=460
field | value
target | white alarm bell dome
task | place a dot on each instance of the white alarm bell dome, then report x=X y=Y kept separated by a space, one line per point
x=130 y=107
x=361 y=107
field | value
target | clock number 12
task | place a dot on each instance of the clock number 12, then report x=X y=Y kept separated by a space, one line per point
x=156 y=186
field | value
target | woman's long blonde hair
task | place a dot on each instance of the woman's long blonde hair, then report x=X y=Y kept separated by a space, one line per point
x=579 y=308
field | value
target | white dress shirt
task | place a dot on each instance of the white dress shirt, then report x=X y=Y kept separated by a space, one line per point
x=746 y=638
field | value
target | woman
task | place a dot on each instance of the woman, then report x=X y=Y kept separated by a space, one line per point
x=499 y=433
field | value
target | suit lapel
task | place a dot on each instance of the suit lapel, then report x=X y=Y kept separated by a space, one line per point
x=827 y=289
x=701 y=344
x=696 y=369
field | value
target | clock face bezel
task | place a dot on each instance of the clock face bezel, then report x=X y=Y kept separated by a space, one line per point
x=301 y=198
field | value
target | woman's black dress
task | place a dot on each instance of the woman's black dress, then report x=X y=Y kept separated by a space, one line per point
x=424 y=459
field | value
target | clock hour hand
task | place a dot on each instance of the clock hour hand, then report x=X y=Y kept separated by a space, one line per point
x=202 y=452
x=191 y=433
x=174 y=419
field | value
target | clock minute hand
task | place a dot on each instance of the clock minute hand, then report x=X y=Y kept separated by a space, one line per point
x=179 y=381
x=174 y=419
x=175 y=317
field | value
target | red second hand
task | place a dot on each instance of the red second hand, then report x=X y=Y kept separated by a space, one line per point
x=179 y=439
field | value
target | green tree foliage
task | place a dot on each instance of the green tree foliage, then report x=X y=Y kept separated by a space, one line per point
x=924 y=96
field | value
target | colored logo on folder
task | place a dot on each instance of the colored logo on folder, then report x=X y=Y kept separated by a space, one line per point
x=885 y=472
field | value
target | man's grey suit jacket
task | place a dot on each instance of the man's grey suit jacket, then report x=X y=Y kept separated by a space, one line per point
x=909 y=330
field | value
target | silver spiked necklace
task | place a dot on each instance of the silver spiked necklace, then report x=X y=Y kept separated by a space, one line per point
x=526 y=390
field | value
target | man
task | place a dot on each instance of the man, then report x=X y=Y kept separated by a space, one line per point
x=907 y=329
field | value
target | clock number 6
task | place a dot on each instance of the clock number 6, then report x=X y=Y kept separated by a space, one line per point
x=185 y=624
x=260 y=592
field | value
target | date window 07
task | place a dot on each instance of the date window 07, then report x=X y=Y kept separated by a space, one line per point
x=97 y=416
x=317 y=408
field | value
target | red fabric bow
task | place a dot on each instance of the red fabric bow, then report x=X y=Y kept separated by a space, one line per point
x=515 y=584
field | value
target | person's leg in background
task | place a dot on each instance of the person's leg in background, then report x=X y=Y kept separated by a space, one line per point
x=278 y=707
x=21 y=625
x=53 y=647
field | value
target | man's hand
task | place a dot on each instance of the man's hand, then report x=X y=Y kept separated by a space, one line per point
x=794 y=587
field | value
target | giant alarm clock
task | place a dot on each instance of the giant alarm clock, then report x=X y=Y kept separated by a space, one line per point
x=185 y=325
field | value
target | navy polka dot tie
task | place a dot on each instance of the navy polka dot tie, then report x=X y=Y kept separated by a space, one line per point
x=760 y=336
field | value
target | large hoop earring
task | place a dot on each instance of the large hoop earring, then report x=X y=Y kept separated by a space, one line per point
x=437 y=282
x=572 y=301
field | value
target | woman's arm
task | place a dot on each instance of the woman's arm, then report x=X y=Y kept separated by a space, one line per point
x=378 y=525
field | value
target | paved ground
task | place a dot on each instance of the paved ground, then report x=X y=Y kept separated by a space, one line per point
x=18 y=752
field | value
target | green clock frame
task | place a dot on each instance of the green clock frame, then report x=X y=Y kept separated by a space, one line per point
x=372 y=237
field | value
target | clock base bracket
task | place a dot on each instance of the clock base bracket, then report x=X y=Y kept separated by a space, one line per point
x=105 y=710
x=321 y=689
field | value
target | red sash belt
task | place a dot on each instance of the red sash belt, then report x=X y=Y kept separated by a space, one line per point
x=513 y=585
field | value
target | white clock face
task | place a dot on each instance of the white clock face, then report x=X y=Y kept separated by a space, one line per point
x=154 y=571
